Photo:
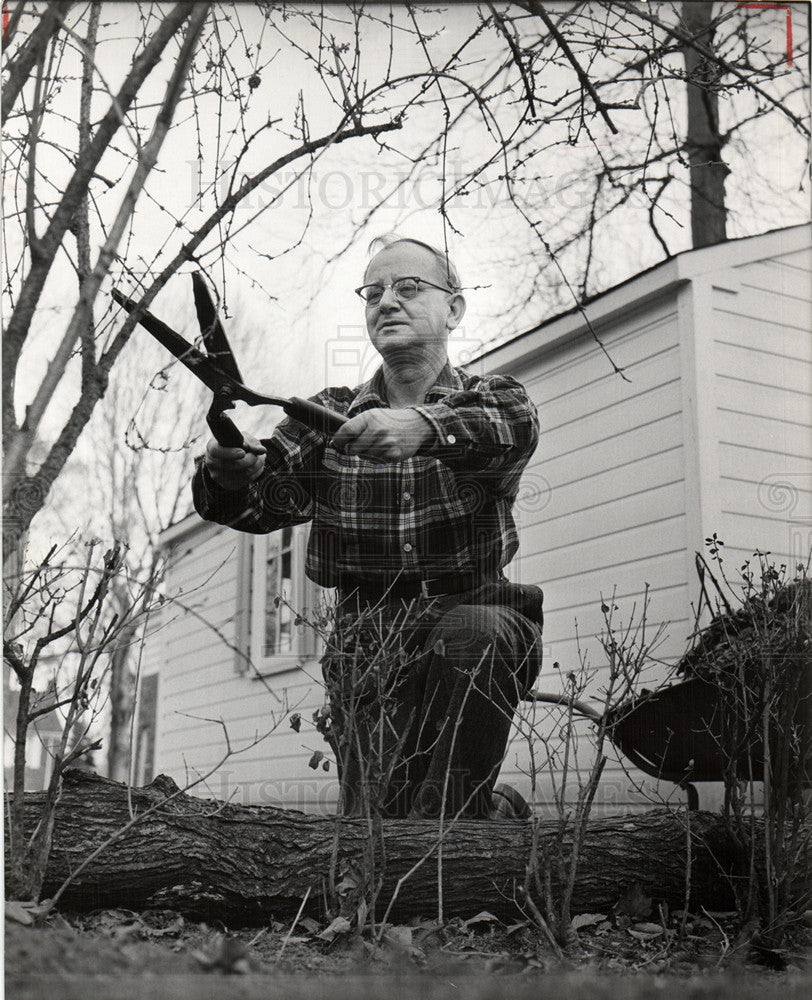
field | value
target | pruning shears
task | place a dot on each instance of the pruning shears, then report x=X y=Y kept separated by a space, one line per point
x=217 y=368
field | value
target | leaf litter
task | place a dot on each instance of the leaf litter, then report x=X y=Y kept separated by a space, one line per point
x=115 y=940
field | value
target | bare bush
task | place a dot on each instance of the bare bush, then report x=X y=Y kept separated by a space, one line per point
x=755 y=651
x=82 y=613
x=554 y=746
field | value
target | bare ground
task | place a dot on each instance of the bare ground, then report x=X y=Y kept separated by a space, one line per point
x=161 y=956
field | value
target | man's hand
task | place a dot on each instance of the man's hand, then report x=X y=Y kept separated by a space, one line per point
x=234 y=468
x=384 y=435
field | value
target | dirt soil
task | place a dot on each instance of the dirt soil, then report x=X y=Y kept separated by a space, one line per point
x=162 y=956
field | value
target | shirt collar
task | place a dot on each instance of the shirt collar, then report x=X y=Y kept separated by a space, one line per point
x=373 y=393
x=369 y=395
x=448 y=380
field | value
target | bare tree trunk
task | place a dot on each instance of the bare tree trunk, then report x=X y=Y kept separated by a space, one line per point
x=16 y=876
x=241 y=864
x=703 y=142
x=122 y=690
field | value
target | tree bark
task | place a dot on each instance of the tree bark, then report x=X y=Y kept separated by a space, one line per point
x=242 y=864
x=704 y=141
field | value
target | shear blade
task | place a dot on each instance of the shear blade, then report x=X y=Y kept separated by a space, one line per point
x=211 y=329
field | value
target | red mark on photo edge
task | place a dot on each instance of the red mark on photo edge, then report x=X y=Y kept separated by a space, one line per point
x=5 y=24
x=776 y=6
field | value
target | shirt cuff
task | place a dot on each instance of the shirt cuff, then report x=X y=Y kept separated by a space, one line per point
x=448 y=439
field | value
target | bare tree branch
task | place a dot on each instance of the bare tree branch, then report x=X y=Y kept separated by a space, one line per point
x=31 y=290
x=83 y=315
x=19 y=68
x=586 y=83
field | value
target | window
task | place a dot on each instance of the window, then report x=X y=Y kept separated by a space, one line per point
x=277 y=592
x=280 y=592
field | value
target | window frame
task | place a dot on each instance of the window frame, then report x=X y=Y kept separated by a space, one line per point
x=304 y=595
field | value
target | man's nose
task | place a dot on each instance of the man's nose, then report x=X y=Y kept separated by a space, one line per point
x=389 y=300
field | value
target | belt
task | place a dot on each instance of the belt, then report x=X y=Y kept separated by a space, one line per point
x=400 y=589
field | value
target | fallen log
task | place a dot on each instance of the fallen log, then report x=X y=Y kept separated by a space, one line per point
x=244 y=864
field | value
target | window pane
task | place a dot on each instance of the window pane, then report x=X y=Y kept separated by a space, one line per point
x=271 y=611
x=286 y=616
x=279 y=635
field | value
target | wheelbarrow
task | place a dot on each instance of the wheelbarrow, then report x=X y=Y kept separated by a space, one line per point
x=673 y=734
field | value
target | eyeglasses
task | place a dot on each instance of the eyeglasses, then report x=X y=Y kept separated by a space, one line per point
x=403 y=288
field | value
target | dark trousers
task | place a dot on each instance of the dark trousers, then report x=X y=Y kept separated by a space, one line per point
x=422 y=699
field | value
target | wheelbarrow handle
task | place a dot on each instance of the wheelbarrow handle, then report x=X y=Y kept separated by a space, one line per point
x=579 y=707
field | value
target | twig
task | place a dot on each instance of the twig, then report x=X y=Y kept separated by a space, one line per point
x=292 y=926
x=31 y=175
x=137 y=682
x=449 y=755
x=517 y=58
x=534 y=910
x=586 y=83
x=688 y=866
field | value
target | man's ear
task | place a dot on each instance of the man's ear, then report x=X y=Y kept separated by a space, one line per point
x=456 y=310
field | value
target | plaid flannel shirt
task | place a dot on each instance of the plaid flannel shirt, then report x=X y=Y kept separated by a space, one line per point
x=448 y=509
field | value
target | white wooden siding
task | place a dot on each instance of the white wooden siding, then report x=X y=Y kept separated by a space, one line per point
x=200 y=688
x=622 y=474
x=762 y=344
x=611 y=459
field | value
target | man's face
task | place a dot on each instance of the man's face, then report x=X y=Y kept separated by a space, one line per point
x=418 y=327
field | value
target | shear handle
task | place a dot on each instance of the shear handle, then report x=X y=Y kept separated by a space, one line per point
x=223 y=428
x=318 y=417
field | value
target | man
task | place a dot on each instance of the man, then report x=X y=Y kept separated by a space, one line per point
x=410 y=504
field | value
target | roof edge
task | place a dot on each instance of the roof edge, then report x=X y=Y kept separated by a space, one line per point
x=634 y=292
x=179 y=529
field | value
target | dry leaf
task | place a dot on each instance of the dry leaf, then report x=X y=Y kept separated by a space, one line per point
x=175 y=927
x=587 y=920
x=483 y=917
x=645 y=935
x=333 y=930
x=347 y=884
x=20 y=912
x=228 y=954
x=400 y=936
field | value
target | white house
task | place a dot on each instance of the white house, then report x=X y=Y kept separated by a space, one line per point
x=708 y=432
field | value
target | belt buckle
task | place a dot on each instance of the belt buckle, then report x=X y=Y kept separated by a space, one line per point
x=424 y=589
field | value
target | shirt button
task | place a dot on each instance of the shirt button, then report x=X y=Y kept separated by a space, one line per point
x=407 y=547
x=407 y=495
x=451 y=439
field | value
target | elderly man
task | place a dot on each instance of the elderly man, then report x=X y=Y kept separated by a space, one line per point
x=410 y=504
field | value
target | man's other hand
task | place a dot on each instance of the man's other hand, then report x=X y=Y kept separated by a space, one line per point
x=234 y=468
x=384 y=435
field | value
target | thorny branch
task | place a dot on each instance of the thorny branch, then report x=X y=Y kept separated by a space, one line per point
x=584 y=80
